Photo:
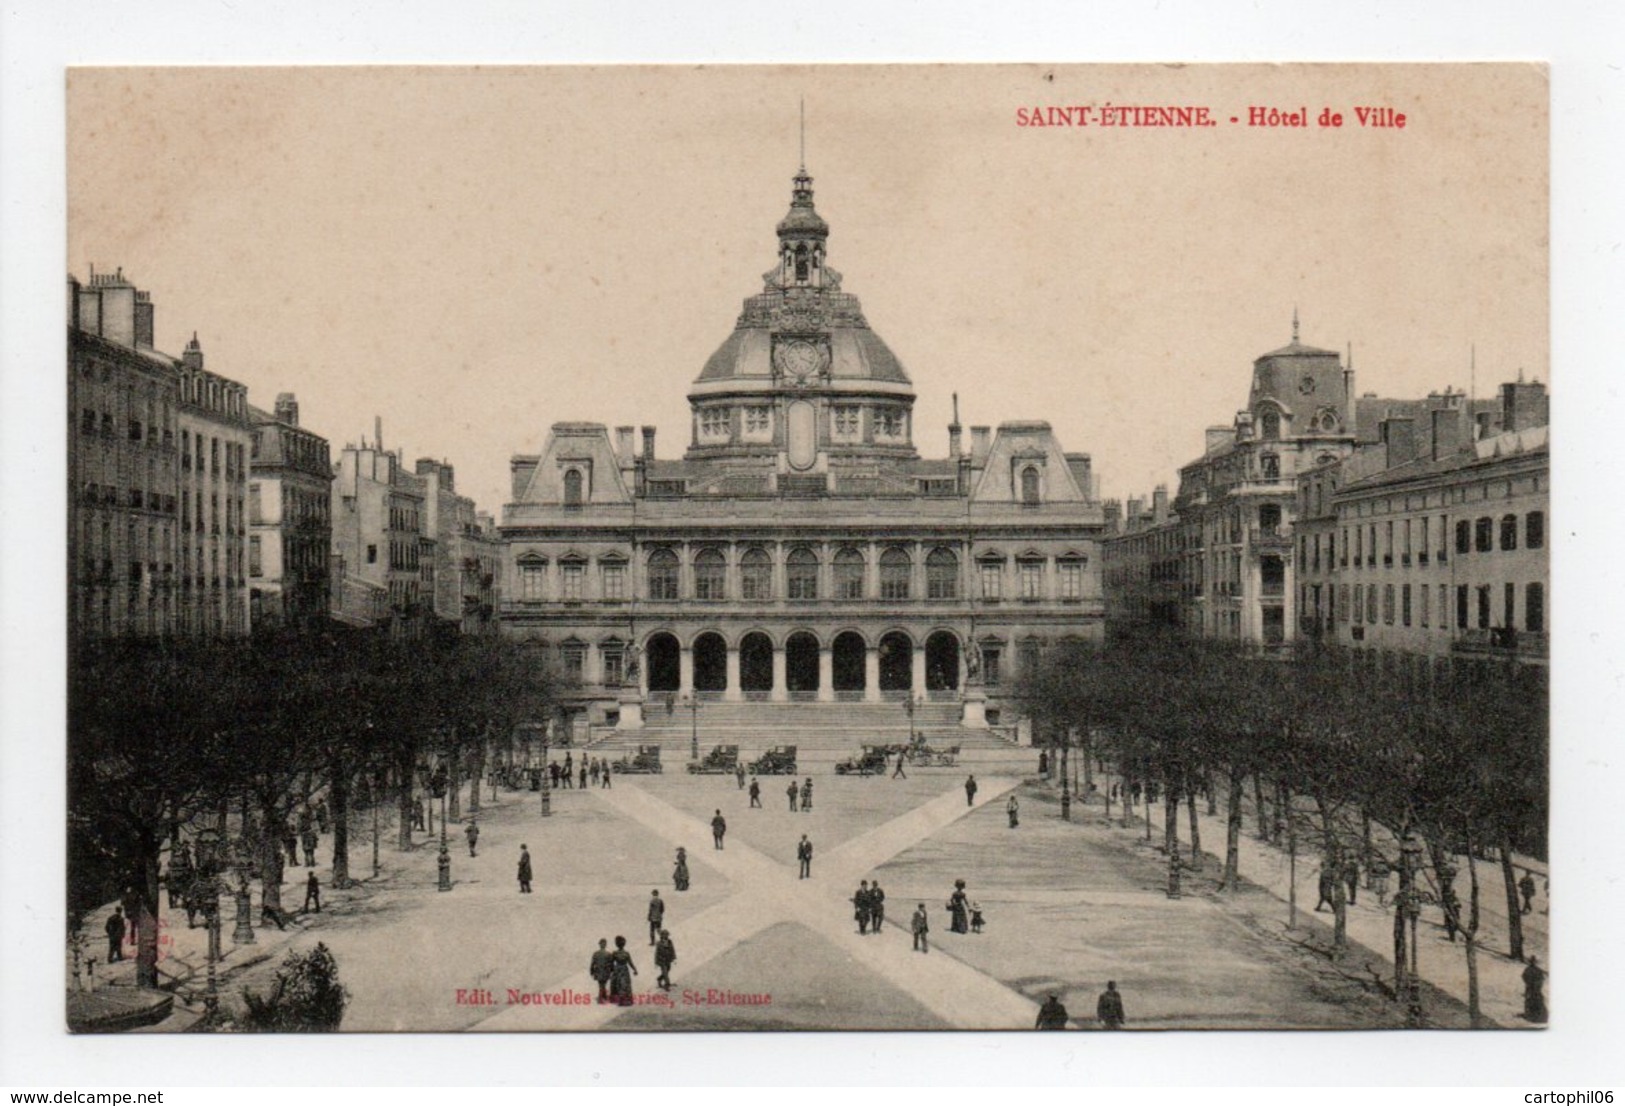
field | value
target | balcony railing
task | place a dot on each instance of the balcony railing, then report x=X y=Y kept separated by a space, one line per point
x=1502 y=642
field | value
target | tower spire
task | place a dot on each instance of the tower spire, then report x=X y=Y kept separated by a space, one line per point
x=1294 y=324
x=804 y=134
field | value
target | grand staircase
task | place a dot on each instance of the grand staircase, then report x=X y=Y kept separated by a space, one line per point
x=823 y=733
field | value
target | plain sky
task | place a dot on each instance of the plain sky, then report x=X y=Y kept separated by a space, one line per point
x=473 y=254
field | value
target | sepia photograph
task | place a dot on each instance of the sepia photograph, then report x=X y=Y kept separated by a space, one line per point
x=633 y=549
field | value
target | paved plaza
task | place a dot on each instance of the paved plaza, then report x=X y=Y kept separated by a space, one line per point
x=1069 y=905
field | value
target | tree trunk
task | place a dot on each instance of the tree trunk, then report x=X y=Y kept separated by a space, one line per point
x=1340 y=918
x=338 y=786
x=1212 y=794
x=406 y=803
x=477 y=773
x=454 y=783
x=146 y=921
x=1514 y=903
x=1400 y=961
x=1196 y=833
x=1170 y=816
x=1087 y=753
x=1258 y=808
x=1232 y=833
x=270 y=853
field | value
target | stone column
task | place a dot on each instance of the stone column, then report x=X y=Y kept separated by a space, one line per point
x=871 y=674
x=918 y=661
x=732 y=693
x=780 y=692
x=826 y=674
x=685 y=671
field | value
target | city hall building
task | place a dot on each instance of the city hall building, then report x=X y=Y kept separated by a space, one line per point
x=801 y=550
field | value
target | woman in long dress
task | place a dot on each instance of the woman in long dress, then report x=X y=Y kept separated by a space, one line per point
x=959 y=908
x=679 y=876
x=621 y=971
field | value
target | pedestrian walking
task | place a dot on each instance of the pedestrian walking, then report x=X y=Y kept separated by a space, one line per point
x=115 y=935
x=621 y=971
x=323 y=820
x=755 y=794
x=804 y=853
x=1109 y=1010
x=1328 y=884
x=307 y=842
x=898 y=773
x=583 y=773
x=806 y=795
x=1043 y=770
x=921 y=927
x=739 y=774
x=599 y=969
x=877 y=906
x=1051 y=1015
x=1351 y=877
x=970 y=790
x=473 y=835
x=607 y=775
x=1012 y=808
x=860 y=904
x=313 y=894
x=1526 y=888
x=593 y=770
x=719 y=826
x=1534 y=1002
x=417 y=821
x=679 y=875
x=959 y=909
x=524 y=870
x=1379 y=871
x=656 y=915
x=665 y=957
x=976 y=922
x=792 y=791
x=290 y=843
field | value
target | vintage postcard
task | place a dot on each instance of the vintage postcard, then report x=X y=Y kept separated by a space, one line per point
x=958 y=547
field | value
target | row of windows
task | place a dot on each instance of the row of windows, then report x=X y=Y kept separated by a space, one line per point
x=716 y=423
x=802 y=572
x=1482 y=535
x=1474 y=606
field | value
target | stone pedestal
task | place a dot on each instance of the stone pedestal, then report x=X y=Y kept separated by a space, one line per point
x=631 y=711
x=973 y=709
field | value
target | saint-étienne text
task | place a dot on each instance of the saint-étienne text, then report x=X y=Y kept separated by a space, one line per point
x=1114 y=115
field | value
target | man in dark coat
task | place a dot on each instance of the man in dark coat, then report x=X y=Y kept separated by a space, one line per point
x=792 y=791
x=739 y=774
x=1328 y=884
x=860 y=904
x=1351 y=877
x=525 y=873
x=307 y=841
x=599 y=969
x=877 y=906
x=804 y=853
x=719 y=827
x=115 y=935
x=657 y=915
x=921 y=926
x=970 y=790
x=755 y=793
x=1051 y=1015
x=1110 y=1008
x=583 y=773
x=665 y=957
x=290 y=843
x=1534 y=1003
x=806 y=794
x=313 y=893
x=473 y=835
x=1526 y=888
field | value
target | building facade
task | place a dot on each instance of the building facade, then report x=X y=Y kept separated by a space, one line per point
x=466 y=552
x=378 y=538
x=1433 y=543
x=290 y=539
x=216 y=436
x=123 y=508
x=801 y=548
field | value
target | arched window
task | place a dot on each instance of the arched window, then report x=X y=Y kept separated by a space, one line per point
x=801 y=574
x=756 y=575
x=710 y=575
x=1269 y=424
x=1483 y=534
x=1464 y=536
x=1270 y=466
x=663 y=574
x=572 y=487
x=1534 y=530
x=1029 y=484
x=941 y=575
x=895 y=569
x=849 y=574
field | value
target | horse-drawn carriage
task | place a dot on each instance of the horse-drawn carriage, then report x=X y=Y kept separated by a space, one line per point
x=777 y=761
x=644 y=762
x=721 y=760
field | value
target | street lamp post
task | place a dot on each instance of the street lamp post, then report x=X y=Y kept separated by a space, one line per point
x=547 y=792
x=243 y=933
x=908 y=708
x=205 y=876
x=692 y=702
x=377 y=793
x=1411 y=863
x=437 y=786
x=1066 y=777
x=1291 y=830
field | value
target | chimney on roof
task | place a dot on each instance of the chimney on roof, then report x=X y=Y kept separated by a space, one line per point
x=1112 y=516
x=954 y=430
x=1136 y=508
x=981 y=443
x=192 y=355
x=1449 y=433
x=648 y=443
x=1524 y=405
x=378 y=432
x=623 y=443
x=287 y=408
x=1159 y=505
x=1399 y=435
